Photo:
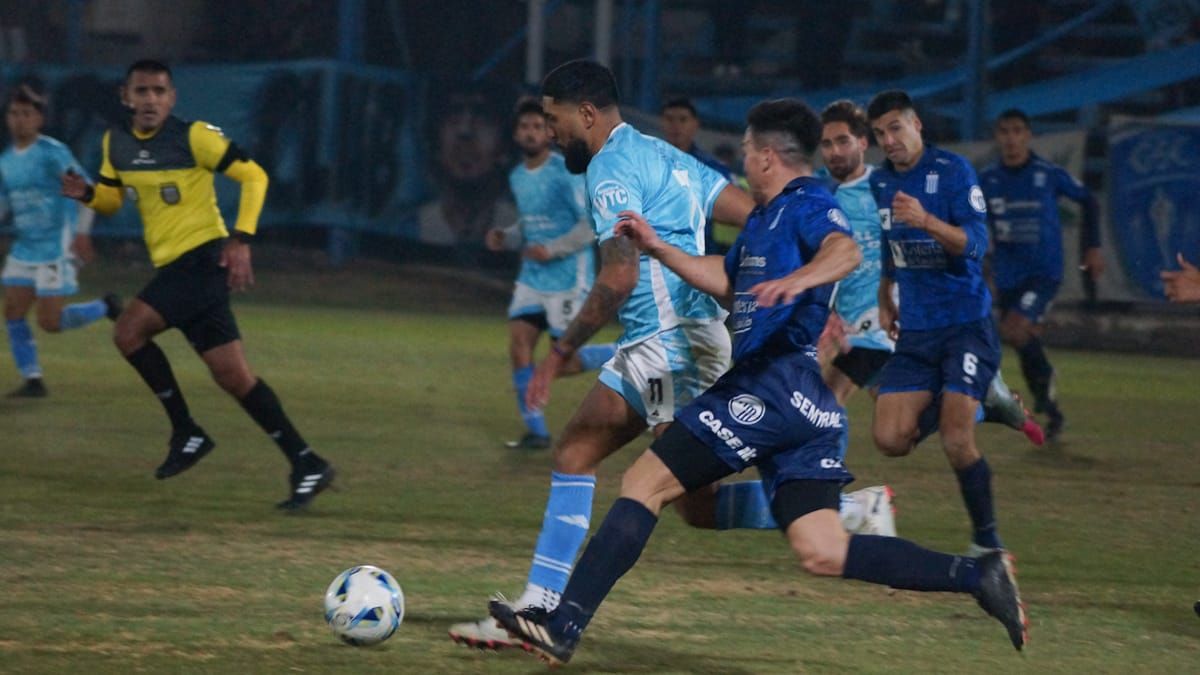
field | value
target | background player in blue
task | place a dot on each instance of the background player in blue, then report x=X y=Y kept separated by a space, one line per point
x=674 y=344
x=933 y=218
x=1022 y=191
x=51 y=231
x=772 y=410
x=555 y=236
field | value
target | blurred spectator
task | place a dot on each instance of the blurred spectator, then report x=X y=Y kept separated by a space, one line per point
x=470 y=159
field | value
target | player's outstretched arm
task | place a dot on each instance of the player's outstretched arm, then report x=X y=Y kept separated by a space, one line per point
x=837 y=257
x=733 y=206
x=618 y=275
x=703 y=272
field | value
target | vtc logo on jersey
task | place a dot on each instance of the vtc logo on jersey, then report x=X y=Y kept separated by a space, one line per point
x=747 y=409
x=609 y=195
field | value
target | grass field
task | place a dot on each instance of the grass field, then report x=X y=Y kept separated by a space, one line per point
x=104 y=569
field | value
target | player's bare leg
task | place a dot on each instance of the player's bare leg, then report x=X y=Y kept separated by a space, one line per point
x=974 y=475
x=895 y=427
x=1025 y=336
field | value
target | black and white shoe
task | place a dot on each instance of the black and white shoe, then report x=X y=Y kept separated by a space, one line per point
x=999 y=597
x=187 y=447
x=33 y=388
x=531 y=625
x=307 y=482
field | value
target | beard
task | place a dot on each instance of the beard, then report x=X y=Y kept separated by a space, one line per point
x=577 y=156
x=841 y=172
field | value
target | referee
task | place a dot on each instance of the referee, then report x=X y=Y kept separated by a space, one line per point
x=166 y=166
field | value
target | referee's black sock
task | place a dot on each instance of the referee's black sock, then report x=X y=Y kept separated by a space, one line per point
x=151 y=363
x=264 y=407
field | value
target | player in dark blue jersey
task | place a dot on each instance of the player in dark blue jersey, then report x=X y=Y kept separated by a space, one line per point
x=933 y=218
x=1022 y=191
x=772 y=410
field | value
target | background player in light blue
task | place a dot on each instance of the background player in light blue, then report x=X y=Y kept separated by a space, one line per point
x=933 y=219
x=555 y=236
x=51 y=231
x=1022 y=191
x=674 y=344
x=772 y=410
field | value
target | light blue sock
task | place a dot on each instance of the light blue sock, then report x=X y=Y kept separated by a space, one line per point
x=535 y=421
x=24 y=349
x=594 y=356
x=979 y=415
x=743 y=506
x=81 y=314
x=564 y=527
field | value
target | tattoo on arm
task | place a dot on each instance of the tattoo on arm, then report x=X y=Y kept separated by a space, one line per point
x=619 y=260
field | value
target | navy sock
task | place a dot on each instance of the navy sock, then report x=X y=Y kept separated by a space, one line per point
x=611 y=553
x=151 y=363
x=1038 y=372
x=975 y=482
x=264 y=407
x=899 y=563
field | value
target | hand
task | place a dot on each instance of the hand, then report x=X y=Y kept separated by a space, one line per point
x=1182 y=285
x=634 y=226
x=494 y=239
x=82 y=248
x=235 y=257
x=1093 y=262
x=833 y=338
x=536 y=252
x=537 y=393
x=778 y=291
x=909 y=210
x=74 y=185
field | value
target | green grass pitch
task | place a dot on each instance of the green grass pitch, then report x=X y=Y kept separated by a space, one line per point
x=104 y=569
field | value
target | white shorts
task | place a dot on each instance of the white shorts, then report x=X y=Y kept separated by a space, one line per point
x=58 y=277
x=661 y=374
x=556 y=308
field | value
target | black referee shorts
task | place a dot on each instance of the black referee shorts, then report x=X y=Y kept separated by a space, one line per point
x=192 y=294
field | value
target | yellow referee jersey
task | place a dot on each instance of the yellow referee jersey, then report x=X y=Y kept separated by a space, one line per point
x=169 y=175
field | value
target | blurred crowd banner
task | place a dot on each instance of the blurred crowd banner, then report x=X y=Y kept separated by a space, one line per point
x=1154 y=190
x=342 y=144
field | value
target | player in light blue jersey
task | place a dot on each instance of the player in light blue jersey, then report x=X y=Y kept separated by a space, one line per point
x=673 y=345
x=555 y=235
x=772 y=410
x=51 y=231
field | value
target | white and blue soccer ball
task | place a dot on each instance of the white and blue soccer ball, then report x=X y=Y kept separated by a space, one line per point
x=364 y=605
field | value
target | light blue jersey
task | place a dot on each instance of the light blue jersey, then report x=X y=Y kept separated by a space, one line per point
x=675 y=193
x=30 y=180
x=551 y=201
x=857 y=298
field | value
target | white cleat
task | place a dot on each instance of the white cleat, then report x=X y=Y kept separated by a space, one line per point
x=878 y=514
x=485 y=634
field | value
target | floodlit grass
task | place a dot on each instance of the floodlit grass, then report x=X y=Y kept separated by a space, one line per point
x=104 y=569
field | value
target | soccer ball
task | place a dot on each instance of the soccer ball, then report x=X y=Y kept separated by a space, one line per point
x=364 y=605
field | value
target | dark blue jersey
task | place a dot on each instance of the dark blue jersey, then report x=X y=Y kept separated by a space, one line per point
x=1023 y=214
x=937 y=289
x=778 y=239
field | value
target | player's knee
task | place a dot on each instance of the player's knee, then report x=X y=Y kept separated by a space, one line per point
x=959 y=448
x=49 y=323
x=820 y=560
x=127 y=339
x=893 y=442
x=570 y=459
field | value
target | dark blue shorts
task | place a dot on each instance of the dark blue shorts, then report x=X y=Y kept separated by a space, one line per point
x=775 y=413
x=1031 y=298
x=962 y=359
